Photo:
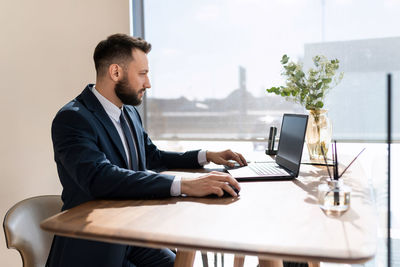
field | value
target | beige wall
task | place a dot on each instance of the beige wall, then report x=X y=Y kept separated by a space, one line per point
x=45 y=60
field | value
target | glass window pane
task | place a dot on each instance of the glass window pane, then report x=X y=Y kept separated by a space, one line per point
x=212 y=61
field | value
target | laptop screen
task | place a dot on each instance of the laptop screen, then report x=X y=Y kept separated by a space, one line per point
x=291 y=141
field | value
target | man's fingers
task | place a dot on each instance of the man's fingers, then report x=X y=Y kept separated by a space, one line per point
x=225 y=178
x=217 y=173
x=229 y=154
x=210 y=183
x=229 y=163
x=217 y=191
x=234 y=182
x=237 y=158
x=225 y=156
x=242 y=159
x=229 y=189
x=219 y=176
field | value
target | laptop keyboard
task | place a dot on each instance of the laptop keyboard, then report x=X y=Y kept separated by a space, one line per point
x=267 y=169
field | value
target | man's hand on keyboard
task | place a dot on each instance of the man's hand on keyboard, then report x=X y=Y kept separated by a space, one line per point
x=224 y=157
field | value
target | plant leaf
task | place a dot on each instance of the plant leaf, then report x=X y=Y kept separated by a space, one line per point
x=319 y=104
x=299 y=74
x=327 y=80
x=284 y=59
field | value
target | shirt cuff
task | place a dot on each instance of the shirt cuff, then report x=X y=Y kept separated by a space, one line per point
x=202 y=157
x=176 y=186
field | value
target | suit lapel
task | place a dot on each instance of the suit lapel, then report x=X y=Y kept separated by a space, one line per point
x=94 y=105
x=134 y=121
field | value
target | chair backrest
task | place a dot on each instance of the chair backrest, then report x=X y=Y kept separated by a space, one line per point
x=22 y=228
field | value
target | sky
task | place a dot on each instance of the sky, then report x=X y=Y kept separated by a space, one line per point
x=198 y=45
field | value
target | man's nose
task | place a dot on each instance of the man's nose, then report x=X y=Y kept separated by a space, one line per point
x=147 y=83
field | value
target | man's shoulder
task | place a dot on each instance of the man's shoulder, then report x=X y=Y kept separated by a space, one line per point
x=73 y=110
x=74 y=106
x=77 y=104
x=74 y=119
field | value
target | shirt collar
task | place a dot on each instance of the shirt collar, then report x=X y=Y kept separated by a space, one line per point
x=112 y=110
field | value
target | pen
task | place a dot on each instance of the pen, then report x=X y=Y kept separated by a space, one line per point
x=336 y=196
x=336 y=174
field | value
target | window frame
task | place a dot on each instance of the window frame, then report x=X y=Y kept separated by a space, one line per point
x=137 y=30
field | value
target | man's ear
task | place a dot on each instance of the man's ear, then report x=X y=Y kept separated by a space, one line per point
x=115 y=72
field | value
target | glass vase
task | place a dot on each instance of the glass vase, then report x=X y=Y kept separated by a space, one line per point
x=319 y=132
x=334 y=197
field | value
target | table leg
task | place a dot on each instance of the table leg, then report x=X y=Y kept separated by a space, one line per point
x=184 y=258
x=238 y=261
x=270 y=263
x=313 y=264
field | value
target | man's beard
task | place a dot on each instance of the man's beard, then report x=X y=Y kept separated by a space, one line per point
x=126 y=94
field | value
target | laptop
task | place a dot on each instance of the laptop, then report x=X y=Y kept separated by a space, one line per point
x=288 y=158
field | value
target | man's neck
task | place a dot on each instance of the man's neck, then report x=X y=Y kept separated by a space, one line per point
x=107 y=90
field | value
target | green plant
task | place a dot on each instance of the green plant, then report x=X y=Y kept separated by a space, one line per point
x=309 y=89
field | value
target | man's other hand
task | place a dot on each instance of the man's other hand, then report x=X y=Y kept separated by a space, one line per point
x=223 y=157
x=210 y=183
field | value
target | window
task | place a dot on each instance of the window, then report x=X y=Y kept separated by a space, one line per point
x=212 y=61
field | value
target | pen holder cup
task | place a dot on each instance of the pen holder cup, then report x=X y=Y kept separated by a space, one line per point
x=334 y=197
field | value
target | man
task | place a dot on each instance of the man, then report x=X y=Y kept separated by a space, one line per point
x=102 y=151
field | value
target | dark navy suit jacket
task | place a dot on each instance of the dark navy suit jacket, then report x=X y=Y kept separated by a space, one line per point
x=91 y=164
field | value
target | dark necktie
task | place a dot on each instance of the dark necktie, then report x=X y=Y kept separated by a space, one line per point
x=129 y=139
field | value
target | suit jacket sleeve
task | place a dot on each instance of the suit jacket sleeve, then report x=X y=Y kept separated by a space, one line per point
x=82 y=163
x=159 y=159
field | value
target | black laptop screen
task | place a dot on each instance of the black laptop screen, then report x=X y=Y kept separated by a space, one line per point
x=291 y=141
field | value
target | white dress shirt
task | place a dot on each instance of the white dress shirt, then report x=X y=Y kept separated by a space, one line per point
x=114 y=113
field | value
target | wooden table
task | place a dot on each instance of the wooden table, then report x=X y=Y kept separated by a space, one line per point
x=273 y=220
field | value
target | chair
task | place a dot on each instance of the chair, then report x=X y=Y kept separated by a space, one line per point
x=22 y=228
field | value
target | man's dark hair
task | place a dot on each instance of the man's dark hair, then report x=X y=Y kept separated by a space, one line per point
x=117 y=49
